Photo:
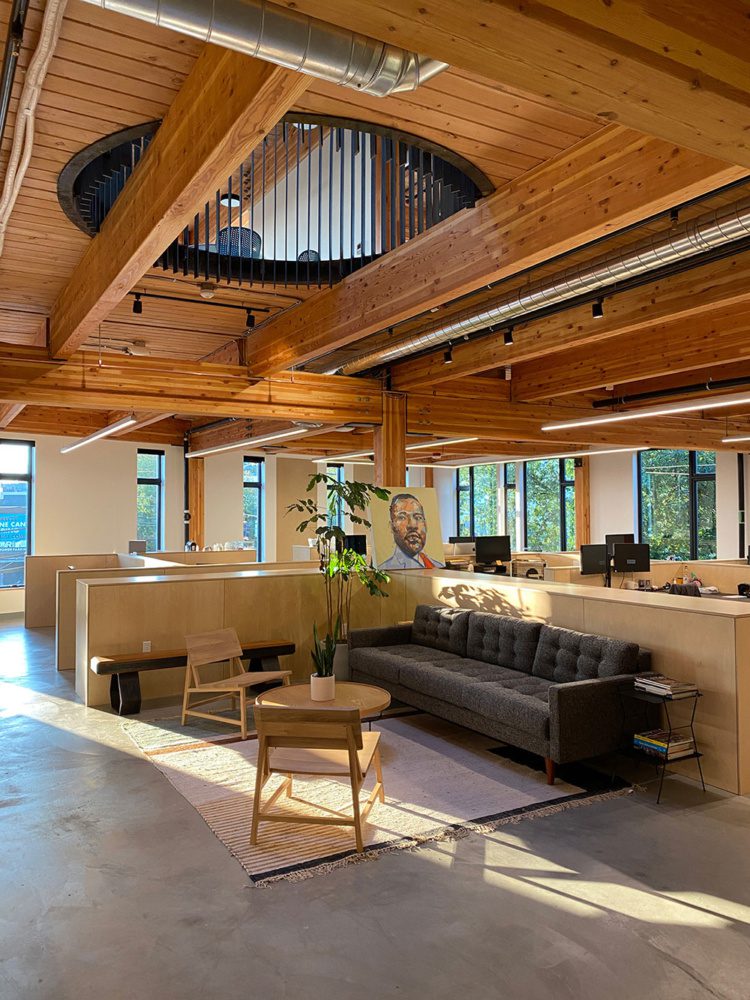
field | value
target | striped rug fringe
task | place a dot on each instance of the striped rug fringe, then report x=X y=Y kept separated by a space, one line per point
x=456 y=831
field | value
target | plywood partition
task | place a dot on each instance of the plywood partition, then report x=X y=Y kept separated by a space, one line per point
x=117 y=615
x=706 y=641
x=40 y=583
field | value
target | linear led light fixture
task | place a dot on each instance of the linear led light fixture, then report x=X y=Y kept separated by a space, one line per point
x=247 y=442
x=103 y=432
x=670 y=409
x=735 y=440
x=422 y=445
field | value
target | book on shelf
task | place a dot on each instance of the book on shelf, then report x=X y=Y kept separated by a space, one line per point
x=667 y=687
x=665 y=744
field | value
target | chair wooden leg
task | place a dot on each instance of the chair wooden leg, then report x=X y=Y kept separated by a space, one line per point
x=185 y=703
x=357 y=816
x=379 y=774
x=549 y=765
x=259 y=782
x=289 y=786
x=243 y=715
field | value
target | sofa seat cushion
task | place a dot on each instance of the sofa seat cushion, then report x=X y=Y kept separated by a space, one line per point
x=446 y=679
x=386 y=662
x=441 y=628
x=504 y=641
x=563 y=656
x=521 y=707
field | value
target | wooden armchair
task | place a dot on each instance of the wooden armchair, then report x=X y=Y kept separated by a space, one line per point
x=320 y=741
x=221 y=646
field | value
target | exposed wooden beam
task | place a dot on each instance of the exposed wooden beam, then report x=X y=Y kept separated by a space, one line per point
x=698 y=291
x=68 y=422
x=197 y=501
x=150 y=384
x=226 y=106
x=583 y=501
x=9 y=412
x=389 y=441
x=678 y=70
x=611 y=180
x=718 y=337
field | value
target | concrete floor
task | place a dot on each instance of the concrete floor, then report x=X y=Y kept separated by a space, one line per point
x=111 y=886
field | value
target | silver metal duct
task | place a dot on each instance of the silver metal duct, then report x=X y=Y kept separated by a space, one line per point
x=688 y=240
x=288 y=38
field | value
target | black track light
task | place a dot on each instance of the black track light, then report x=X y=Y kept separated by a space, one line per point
x=137 y=304
x=597 y=309
x=448 y=355
x=250 y=321
x=508 y=336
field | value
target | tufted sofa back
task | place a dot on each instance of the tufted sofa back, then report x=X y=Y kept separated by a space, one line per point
x=563 y=655
x=441 y=628
x=507 y=642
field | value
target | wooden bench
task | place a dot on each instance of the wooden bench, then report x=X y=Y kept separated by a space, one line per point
x=124 y=668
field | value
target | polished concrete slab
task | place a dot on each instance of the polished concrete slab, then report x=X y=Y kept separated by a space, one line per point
x=112 y=886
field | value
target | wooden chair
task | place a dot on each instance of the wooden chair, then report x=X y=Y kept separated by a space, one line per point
x=318 y=741
x=208 y=648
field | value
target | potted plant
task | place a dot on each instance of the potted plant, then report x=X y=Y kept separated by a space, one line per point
x=323 y=681
x=340 y=566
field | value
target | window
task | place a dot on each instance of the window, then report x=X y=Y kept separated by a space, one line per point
x=336 y=516
x=16 y=479
x=509 y=486
x=253 y=479
x=476 y=500
x=677 y=503
x=150 y=499
x=549 y=489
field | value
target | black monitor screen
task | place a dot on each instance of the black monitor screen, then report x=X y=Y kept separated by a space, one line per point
x=357 y=543
x=611 y=540
x=460 y=539
x=593 y=559
x=493 y=548
x=632 y=558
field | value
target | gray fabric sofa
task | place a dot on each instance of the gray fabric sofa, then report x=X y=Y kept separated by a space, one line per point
x=548 y=690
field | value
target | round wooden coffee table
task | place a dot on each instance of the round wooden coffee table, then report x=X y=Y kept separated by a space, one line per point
x=370 y=700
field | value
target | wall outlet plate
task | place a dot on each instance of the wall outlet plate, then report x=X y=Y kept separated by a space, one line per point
x=146 y=645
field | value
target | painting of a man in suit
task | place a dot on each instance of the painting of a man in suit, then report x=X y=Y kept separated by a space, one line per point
x=409 y=529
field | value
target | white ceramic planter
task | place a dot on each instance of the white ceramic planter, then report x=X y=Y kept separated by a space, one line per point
x=322 y=688
x=341 y=662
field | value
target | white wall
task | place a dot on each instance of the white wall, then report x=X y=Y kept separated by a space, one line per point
x=445 y=486
x=727 y=506
x=613 y=508
x=223 y=497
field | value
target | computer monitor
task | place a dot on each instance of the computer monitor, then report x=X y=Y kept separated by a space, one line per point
x=460 y=539
x=594 y=560
x=631 y=558
x=357 y=543
x=611 y=540
x=136 y=548
x=493 y=548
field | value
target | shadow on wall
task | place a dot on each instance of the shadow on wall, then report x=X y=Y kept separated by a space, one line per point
x=472 y=598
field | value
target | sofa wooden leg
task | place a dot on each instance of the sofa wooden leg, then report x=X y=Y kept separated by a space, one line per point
x=549 y=765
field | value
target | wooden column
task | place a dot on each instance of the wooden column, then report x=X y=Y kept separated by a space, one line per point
x=583 y=502
x=196 y=500
x=389 y=441
x=429 y=477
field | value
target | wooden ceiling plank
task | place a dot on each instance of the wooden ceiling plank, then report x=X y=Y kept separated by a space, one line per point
x=659 y=73
x=226 y=106
x=700 y=290
x=579 y=196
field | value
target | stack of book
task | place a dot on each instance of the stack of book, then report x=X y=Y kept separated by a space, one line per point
x=667 y=687
x=670 y=746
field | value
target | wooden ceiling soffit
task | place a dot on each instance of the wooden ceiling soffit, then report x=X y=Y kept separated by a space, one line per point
x=717 y=337
x=588 y=192
x=164 y=386
x=681 y=296
x=675 y=70
x=227 y=105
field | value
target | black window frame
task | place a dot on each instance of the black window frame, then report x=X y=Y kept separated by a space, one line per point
x=470 y=488
x=562 y=484
x=507 y=487
x=339 y=477
x=256 y=485
x=26 y=477
x=694 y=479
x=159 y=481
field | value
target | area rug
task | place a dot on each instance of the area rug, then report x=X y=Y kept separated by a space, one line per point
x=441 y=782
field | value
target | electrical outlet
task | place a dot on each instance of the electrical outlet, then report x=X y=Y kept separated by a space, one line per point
x=146 y=645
